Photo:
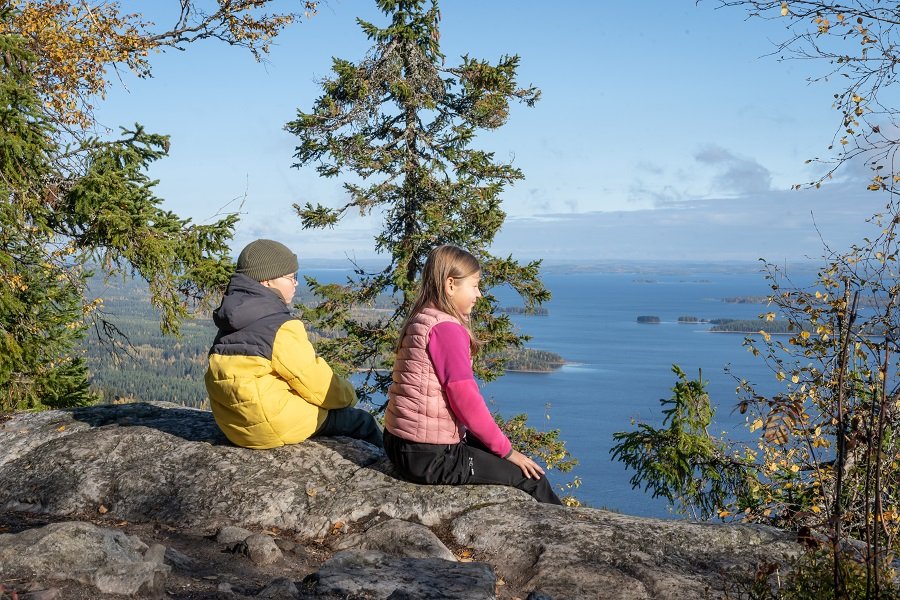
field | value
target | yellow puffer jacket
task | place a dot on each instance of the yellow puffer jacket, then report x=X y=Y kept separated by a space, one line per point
x=266 y=385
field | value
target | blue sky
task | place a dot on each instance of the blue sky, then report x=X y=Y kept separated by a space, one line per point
x=665 y=131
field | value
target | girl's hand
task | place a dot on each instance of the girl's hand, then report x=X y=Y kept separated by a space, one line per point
x=530 y=469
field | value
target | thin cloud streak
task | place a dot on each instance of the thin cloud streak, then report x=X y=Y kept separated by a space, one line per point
x=788 y=225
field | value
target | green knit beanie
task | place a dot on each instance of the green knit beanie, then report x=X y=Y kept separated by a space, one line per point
x=266 y=259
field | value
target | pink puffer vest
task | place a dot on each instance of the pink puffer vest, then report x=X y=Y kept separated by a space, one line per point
x=417 y=410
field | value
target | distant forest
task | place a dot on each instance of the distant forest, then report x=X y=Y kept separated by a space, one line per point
x=140 y=363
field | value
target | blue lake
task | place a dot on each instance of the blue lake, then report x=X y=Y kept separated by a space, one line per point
x=619 y=369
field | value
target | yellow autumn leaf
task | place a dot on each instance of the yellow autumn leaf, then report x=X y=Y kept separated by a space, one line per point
x=795 y=379
x=784 y=9
x=756 y=424
x=723 y=513
x=765 y=335
x=815 y=509
x=780 y=375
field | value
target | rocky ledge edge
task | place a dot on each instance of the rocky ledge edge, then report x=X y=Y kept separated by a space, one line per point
x=322 y=519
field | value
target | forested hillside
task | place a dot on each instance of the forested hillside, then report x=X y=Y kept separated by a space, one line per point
x=137 y=360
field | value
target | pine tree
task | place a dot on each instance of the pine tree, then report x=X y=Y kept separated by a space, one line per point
x=402 y=124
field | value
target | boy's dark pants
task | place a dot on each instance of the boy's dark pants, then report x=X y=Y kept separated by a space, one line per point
x=351 y=422
x=468 y=462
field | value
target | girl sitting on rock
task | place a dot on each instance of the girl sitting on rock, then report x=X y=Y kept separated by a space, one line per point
x=438 y=429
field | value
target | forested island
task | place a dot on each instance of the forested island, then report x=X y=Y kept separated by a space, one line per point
x=691 y=319
x=778 y=327
x=863 y=300
x=648 y=319
x=529 y=360
x=753 y=326
x=746 y=300
x=537 y=311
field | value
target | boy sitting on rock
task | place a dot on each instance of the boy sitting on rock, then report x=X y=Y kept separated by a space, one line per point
x=266 y=386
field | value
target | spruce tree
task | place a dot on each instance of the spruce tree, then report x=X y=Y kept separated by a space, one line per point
x=40 y=309
x=68 y=202
x=402 y=125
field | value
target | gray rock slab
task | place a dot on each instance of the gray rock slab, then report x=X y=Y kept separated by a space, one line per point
x=398 y=538
x=153 y=461
x=280 y=589
x=375 y=575
x=261 y=549
x=131 y=579
x=232 y=535
x=181 y=561
x=48 y=594
x=156 y=554
x=107 y=559
x=587 y=553
x=169 y=464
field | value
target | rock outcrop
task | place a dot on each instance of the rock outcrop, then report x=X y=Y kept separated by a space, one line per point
x=163 y=464
x=109 y=560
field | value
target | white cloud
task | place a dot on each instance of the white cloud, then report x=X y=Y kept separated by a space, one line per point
x=734 y=174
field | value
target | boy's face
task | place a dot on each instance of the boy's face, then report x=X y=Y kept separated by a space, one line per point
x=285 y=286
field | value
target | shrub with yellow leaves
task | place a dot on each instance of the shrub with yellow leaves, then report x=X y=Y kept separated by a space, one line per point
x=78 y=43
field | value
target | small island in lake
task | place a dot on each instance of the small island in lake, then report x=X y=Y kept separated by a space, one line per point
x=648 y=319
x=529 y=360
x=692 y=319
x=746 y=300
x=537 y=311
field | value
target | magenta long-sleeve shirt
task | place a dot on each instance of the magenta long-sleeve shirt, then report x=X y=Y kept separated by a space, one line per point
x=448 y=347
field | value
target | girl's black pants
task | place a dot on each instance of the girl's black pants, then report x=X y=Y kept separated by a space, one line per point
x=468 y=462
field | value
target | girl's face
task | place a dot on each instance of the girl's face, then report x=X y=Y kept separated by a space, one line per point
x=463 y=292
